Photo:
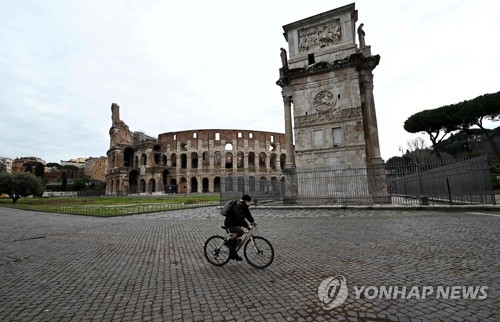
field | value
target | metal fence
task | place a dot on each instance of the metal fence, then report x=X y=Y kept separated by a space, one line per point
x=462 y=182
x=456 y=182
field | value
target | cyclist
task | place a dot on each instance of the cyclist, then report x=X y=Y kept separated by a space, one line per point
x=235 y=220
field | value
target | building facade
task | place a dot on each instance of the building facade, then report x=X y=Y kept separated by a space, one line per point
x=96 y=168
x=193 y=161
x=6 y=164
x=18 y=165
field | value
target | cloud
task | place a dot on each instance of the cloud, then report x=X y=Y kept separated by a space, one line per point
x=175 y=66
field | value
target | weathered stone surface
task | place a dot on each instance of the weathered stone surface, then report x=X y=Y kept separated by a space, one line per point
x=151 y=266
x=330 y=81
x=193 y=161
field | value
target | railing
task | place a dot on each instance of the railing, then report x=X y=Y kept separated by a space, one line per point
x=451 y=182
x=114 y=210
x=463 y=182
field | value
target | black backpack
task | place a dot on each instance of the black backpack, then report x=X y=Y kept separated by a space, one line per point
x=225 y=211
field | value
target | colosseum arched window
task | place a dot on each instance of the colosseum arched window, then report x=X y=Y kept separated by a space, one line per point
x=217 y=184
x=165 y=177
x=251 y=183
x=262 y=160
x=228 y=184
x=262 y=184
x=205 y=159
x=157 y=154
x=274 y=185
x=240 y=160
x=136 y=162
x=164 y=160
x=194 y=184
x=142 y=186
x=240 y=184
x=228 y=147
x=128 y=157
x=205 y=185
x=282 y=161
x=194 y=160
x=217 y=159
x=272 y=161
x=152 y=185
x=229 y=160
x=132 y=181
x=144 y=159
x=251 y=161
x=182 y=185
x=183 y=161
x=173 y=160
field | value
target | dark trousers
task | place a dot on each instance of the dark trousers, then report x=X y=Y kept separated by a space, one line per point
x=236 y=230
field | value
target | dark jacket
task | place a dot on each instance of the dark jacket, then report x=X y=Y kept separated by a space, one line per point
x=238 y=214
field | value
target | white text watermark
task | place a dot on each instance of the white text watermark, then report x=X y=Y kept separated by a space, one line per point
x=334 y=291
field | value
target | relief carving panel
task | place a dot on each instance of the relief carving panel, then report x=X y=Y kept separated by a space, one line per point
x=320 y=36
x=324 y=100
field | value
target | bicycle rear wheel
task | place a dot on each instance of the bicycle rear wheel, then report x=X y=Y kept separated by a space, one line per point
x=259 y=252
x=215 y=251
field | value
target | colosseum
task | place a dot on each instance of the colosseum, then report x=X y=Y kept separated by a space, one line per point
x=192 y=161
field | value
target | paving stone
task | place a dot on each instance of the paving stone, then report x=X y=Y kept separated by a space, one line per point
x=151 y=266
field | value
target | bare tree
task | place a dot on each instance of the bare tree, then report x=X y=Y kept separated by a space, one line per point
x=418 y=150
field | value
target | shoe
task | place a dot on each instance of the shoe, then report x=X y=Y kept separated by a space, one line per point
x=236 y=257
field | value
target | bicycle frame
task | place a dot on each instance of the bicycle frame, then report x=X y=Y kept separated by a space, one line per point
x=247 y=235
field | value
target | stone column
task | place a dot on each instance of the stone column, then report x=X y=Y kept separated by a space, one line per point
x=377 y=182
x=290 y=171
x=370 y=117
x=290 y=157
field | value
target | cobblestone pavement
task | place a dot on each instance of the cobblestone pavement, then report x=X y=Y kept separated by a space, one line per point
x=151 y=267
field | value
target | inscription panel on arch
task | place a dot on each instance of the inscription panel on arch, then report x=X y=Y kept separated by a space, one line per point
x=328 y=117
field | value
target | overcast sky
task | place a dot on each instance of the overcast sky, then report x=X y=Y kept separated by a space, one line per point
x=185 y=65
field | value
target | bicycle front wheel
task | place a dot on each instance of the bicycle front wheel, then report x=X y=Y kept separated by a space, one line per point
x=215 y=251
x=259 y=252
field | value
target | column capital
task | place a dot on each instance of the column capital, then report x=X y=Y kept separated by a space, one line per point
x=287 y=100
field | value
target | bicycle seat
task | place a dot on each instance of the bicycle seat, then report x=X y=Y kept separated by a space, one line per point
x=223 y=227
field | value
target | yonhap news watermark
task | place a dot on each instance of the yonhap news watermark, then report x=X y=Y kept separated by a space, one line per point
x=333 y=292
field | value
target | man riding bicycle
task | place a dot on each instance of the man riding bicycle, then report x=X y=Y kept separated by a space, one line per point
x=235 y=220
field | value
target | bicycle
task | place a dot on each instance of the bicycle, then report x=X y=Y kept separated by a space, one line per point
x=258 y=251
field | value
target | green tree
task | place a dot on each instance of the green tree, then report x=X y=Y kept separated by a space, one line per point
x=437 y=123
x=21 y=184
x=81 y=184
x=64 y=181
x=40 y=170
x=474 y=112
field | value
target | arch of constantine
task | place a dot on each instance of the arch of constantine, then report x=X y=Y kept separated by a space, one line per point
x=192 y=161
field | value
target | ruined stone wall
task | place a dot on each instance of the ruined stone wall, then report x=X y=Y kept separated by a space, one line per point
x=194 y=161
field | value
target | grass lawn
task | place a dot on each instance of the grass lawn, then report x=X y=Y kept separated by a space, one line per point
x=111 y=206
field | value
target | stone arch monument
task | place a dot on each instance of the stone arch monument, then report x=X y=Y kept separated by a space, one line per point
x=327 y=90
